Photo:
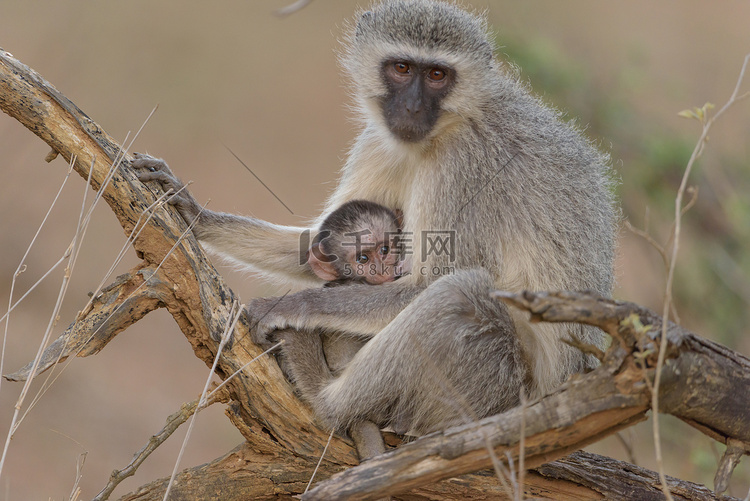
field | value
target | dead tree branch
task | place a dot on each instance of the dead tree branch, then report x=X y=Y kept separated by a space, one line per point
x=173 y=423
x=115 y=308
x=703 y=383
x=194 y=293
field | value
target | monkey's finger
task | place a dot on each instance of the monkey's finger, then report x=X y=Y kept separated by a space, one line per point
x=165 y=178
x=145 y=161
x=185 y=206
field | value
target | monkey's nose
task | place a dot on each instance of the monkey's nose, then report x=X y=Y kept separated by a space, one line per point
x=414 y=108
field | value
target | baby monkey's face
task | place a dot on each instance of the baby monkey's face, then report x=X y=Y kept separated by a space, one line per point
x=371 y=255
x=358 y=242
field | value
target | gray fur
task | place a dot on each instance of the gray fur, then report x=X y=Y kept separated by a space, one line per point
x=530 y=200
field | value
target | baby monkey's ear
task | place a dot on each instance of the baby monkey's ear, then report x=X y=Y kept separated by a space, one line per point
x=321 y=264
x=399 y=218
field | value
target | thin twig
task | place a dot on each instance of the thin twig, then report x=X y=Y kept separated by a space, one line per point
x=72 y=253
x=37 y=283
x=512 y=478
x=84 y=218
x=585 y=348
x=138 y=228
x=72 y=250
x=292 y=8
x=244 y=367
x=133 y=235
x=501 y=472
x=47 y=383
x=22 y=268
x=320 y=460
x=679 y=211
x=76 y=491
x=174 y=421
x=627 y=444
x=522 y=447
x=269 y=190
x=235 y=313
x=644 y=234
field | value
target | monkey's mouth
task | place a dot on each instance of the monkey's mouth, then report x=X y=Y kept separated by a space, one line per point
x=408 y=134
x=411 y=129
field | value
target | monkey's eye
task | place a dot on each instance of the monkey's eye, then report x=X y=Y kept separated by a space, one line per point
x=401 y=67
x=385 y=250
x=436 y=74
x=362 y=259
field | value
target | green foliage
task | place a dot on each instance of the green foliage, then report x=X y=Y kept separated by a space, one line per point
x=699 y=114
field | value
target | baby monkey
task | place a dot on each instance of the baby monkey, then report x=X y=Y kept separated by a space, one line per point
x=360 y=242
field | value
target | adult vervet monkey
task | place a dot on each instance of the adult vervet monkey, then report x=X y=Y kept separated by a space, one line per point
x=453 y=139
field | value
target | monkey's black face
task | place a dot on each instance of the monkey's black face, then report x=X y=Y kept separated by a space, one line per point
x=415 y=92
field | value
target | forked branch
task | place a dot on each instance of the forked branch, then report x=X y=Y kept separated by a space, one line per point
x=284 y=442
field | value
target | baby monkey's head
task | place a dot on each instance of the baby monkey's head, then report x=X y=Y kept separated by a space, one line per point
x=359 y=241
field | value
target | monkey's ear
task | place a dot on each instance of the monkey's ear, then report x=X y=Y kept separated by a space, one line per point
x=321 y=265
x=364 y=20
x=399 y=218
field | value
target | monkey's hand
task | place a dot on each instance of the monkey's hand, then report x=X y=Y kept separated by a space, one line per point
x=149 y=168
x=265 y=317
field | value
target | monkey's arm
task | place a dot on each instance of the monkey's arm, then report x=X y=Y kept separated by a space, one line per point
x=360 y=310
x=261 y=246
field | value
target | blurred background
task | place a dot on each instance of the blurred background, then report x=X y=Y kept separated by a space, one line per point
x=231 y=75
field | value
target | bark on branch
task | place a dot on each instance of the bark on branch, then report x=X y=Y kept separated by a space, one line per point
x=704 y=383
x=115 y=308
x=187 y=283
